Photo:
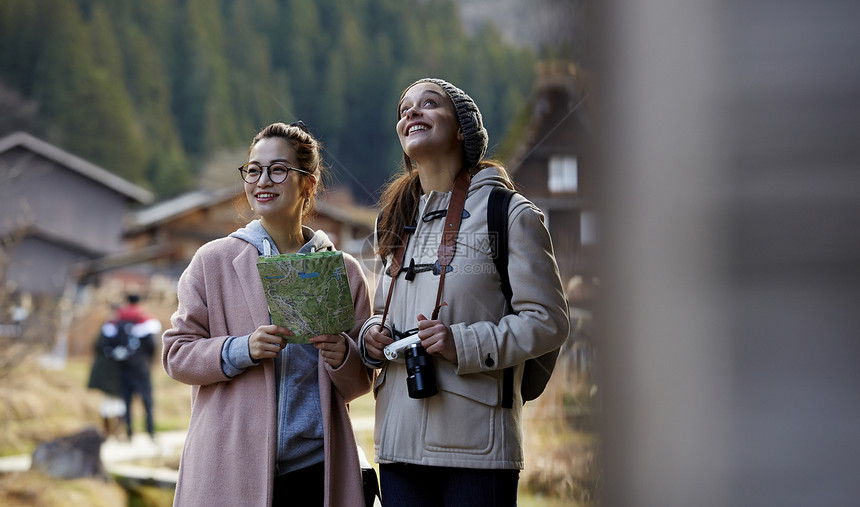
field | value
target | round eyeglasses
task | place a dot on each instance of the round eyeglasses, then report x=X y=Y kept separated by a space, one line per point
x=277 y=172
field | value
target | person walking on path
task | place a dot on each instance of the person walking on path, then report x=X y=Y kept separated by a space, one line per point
x=452 y=440
x=104 y=376
x=123 y=364
x=269 y=422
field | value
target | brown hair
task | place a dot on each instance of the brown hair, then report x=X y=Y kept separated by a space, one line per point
x=307 y=149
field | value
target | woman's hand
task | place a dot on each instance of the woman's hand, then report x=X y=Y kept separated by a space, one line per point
x=436 y=338
x=332 y=348
x=267 y=341
x=376 y=339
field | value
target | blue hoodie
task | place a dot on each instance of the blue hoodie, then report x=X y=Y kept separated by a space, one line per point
x=300 y=429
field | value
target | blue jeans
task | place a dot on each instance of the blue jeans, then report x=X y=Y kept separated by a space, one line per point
x=420 y=486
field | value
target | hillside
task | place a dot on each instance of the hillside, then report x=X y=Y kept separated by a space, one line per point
x=549 y=27
x=152 y=90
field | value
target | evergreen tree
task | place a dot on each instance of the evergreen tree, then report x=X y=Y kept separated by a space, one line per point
x=250 y=76
x=152 y=89
x=294 y=45
x=21 y=39
x=16 y=112
x=209 y=77
x=68 y=77
x=168 y=169
x=106 y=51
x=333 y=109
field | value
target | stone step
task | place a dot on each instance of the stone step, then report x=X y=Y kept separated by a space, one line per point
x=116 y=455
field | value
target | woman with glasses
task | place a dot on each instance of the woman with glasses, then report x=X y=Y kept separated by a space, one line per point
x=269 y=422
x=455 y=440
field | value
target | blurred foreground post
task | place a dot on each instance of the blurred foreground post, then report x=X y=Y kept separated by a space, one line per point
x=731 y=197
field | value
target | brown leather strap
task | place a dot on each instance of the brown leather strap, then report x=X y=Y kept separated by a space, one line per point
x=453 y=218
x=447 y=246
x=396 y=262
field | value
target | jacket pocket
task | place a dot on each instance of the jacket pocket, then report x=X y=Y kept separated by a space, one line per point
x=461 y=417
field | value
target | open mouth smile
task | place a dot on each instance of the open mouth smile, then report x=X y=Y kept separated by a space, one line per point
x=416 y=128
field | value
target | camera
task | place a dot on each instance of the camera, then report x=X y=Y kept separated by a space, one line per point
x=397 y=350
x=421 y=375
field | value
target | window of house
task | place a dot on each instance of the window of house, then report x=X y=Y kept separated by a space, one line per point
x=588 y=228
x=563 y=174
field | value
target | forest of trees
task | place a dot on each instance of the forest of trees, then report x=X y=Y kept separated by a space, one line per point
x=154 y=90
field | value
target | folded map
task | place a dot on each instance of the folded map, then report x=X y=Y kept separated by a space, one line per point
x=308 y=293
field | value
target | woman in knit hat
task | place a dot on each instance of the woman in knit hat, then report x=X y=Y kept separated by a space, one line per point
x=440 y=311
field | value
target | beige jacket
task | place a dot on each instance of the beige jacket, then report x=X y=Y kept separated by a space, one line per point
x=464 y=425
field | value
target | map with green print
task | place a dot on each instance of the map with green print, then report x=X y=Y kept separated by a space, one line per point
x=308 y=293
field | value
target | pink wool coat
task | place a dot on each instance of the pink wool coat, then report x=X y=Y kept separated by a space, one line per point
x=229 y=453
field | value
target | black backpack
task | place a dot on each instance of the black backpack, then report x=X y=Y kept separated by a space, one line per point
x=121 y=341
x=116 y=341
x=536 y=371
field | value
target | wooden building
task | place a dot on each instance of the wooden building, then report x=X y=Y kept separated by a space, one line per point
x=57 y=211
x=161 y=239
x=551 y=168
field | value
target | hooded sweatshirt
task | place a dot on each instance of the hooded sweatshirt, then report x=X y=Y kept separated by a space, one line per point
x=300 y=428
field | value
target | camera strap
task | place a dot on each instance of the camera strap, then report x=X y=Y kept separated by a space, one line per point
x=447 y=245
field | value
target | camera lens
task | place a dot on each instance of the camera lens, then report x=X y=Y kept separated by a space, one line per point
x=421 y=376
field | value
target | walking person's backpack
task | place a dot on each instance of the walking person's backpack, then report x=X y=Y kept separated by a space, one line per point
x=536 y=371
x=118 y=341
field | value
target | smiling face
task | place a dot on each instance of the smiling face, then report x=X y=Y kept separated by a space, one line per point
x=277 y=201
x=428 y=123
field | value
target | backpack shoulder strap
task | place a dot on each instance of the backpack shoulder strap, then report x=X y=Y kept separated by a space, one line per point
x=497 y=226
x=536 y=371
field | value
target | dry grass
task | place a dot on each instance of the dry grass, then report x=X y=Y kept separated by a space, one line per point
x=27 y=489
x=37 y=405
x=562 y=444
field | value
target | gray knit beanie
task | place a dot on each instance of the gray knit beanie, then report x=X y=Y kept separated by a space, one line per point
x=469 y=117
